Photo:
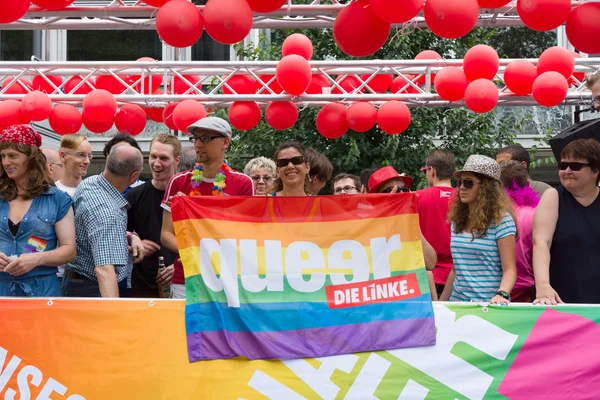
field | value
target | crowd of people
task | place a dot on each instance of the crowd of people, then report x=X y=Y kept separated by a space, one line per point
x=497 y=236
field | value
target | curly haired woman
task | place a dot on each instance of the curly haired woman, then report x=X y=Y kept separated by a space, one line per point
x=483 y=236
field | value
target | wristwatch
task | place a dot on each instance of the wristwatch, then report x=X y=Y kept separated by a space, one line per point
x=504 y=294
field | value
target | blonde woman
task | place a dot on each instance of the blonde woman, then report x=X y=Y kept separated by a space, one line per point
x=263 y=173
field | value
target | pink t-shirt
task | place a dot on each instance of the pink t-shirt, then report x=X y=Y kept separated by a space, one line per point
x=524 y=247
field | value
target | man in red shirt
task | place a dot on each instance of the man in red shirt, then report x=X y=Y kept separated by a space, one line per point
x=213 y=177
x=432 y=205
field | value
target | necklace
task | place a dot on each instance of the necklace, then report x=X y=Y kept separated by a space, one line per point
x=218 y=184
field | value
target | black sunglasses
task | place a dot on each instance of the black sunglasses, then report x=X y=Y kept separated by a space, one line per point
x=204 y=139
x=466 y=183
x=575 y=166
x=284 y=162
x=403 y=189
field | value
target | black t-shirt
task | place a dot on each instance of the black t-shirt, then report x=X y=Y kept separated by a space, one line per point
x=145 y=218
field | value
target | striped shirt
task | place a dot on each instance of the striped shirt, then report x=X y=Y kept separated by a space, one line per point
x=477 y=262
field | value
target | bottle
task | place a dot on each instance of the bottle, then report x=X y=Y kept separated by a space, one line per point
x=166 y=291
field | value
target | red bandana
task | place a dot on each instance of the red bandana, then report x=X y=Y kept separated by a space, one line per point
x=21 y=134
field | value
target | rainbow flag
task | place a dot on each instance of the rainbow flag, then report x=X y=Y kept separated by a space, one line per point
x=271 y=277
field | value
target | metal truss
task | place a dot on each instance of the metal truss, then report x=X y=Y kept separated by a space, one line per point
x=217 y=75
x=135 y=15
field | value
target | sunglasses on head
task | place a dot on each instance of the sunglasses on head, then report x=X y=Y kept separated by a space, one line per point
x=466 y=183
x=403 y=189
x=575 y=166
x=284 y=162
x=425 y=169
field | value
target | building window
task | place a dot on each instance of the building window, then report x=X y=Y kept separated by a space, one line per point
x=16 y=45
x=206 y=49
x=113 y=45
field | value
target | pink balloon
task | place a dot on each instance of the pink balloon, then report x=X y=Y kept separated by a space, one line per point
x=331 y=121
x=399 y=82
x=168 y=116
x=244 y=115
x=293 y=73
x=451 y=19
x=557 y=59
x=97 y=126
x=131 y=119
x=186 y=113
x=583 y=29
x=76 y=80
x=65 y=119
x=242 y=84
x=493 y=3
x=150 y=83
x=543 y=15
x=179 y=23
x=274 y=86
x=358 y=31
x=53 y=4
x=156 y=3
x=349 y=83
x=428 y=55
x=111 y=84
x=519 y=76
x=11 y=114
x=397 y=11
x=317 y=83
x=299 y=44
x=179 y=86
x=550 y=89
x=266 y=6
x=361 y=116
x=393 y=117
x=451 y=84
x=481 y=96
x=13 y=10
x=481 y=62
x=99 y=105
x=39 y=83
x=228 y=21
x=380 y=82
x=36 y=106
x=18 y=87
x=281 y=115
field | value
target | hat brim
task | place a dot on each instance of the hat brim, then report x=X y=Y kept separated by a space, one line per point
x=457 y=174
x=191 y=128
x=407 y=182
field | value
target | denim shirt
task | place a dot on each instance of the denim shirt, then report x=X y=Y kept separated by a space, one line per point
x=36 y=230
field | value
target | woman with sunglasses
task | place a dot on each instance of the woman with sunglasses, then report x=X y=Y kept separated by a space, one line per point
x=292 y=170
x=482 y=236
x=566 y=230
x=262 y=171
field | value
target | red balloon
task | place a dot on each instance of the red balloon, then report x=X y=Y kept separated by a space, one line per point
x=168 y=116
x=156 y=3
x=349 y=83
x=380 y=82
x=266 y=6
x=481 y=62
x=493 y=3
x=97 y=126
x=358 y=31
x=244 y=115
x=53 y=4
x=99 y=105
x=111 y=84
x=331 y=121
x=543 y=15
x=583 y=29
x=186 y=113
x=131 y=119
x=179 y=86
x=83 y=89
x=17 y=86
x=557 y=59
x=299 y=44
x=242 y=84
x=361 y=116
x=281 y=115
x=151 y=83
x=451 y=84
x=398 y=83
x=65 y=119
x=11 y=114
x=13 y=10
x=427 y=55
x=274 y=85
x=40 y=83
x=293 y=73
x=396 y=11
x=580 y=76
x=36 y=106
x=228 y=21
x=451 y=19
x=550 y=89
x=481 y=96
x=519 y=76
x=155 y=114
x=179 y=23
x=393 y=117
x=317 y=83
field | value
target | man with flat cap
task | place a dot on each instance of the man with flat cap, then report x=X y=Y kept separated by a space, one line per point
x=211 y=176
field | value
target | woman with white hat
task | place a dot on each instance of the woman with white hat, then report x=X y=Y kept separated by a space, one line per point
x=483 y=236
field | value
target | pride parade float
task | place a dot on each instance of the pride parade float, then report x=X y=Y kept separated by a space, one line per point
x=323 y=300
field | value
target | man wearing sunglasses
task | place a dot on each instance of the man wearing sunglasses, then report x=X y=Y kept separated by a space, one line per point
x=211 y=137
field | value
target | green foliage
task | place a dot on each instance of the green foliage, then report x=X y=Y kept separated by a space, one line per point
x=455 y=129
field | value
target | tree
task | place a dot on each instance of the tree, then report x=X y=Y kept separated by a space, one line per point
x=455 y=129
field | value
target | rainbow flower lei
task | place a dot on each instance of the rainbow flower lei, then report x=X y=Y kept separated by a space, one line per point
x=219 y=183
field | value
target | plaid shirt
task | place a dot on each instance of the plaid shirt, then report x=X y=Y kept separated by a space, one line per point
x=101 y=228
